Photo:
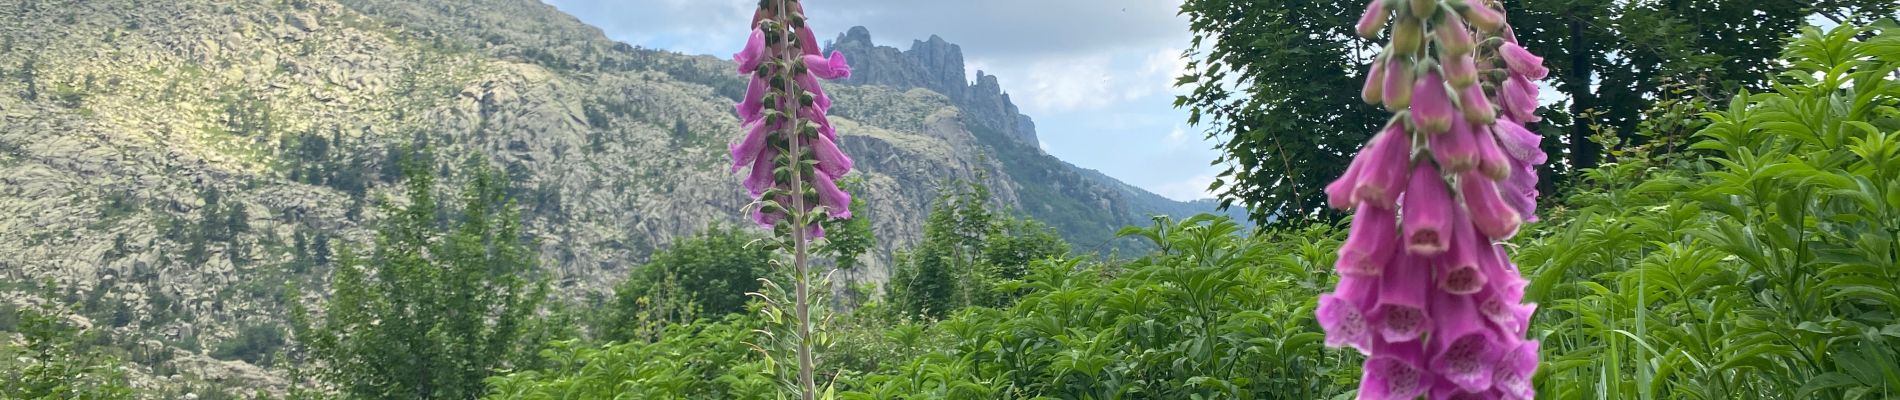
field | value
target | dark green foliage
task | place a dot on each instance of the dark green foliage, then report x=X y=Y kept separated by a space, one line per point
x=1765 y=269
x=967 y=251
x=713 y=359
x=443 y=299
x=52 y=361
x=705 y=276
x=1277 y=82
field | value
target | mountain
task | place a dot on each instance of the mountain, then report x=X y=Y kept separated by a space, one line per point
x=168 y=168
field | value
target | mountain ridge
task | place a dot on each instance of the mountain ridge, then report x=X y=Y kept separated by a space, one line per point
x=168 y=168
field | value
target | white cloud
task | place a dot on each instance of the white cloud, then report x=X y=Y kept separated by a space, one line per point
x=1177 y=136
x=1064 y=84
x=1189 y=189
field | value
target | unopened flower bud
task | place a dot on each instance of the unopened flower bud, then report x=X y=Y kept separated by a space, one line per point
x=1460 y=70
x=1373 y=20
x=1484 y=18
x=1476 y=107
x=1432 y=108
x=1408 y=35
x=1423 y=8
x=1374 y=90
x=1398 y=84
x=1454 y=38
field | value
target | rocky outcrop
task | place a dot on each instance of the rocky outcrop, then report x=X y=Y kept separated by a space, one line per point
x=936 y=65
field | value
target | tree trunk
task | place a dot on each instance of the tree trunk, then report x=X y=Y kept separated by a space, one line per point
x=1583 y=152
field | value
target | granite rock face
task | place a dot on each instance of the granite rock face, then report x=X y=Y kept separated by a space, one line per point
x=177 y=164
x=936 y=65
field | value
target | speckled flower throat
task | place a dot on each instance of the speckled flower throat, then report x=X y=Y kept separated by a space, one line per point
x=1425 y=291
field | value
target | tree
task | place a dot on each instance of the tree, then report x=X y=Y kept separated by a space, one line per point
x=438 y=304
x=51 y=362
x=704 y=276
x=1277 y=82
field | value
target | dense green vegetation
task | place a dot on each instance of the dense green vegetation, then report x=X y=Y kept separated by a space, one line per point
x=1758 y=264
x=1738 y=249
x=445 y=298
x=1276 y=83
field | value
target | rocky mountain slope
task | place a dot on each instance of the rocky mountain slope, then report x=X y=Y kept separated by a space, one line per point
x=168 y=168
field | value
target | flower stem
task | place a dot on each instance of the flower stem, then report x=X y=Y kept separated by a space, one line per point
x=800 y=253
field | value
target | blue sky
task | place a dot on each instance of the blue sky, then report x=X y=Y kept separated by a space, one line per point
x=1095 y=74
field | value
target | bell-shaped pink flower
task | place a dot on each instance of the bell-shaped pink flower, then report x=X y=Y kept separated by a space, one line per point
x=1428 y=212
x=1383 y=172
x=1492 y=162
x=809 y=84
x=1518 y=98
x=1395 y=371
x=837 y=203
x=1404 y=288
x=747 y=149
x=1463 y=348
x=1476 y=107
x=1370 y=245
x=828 y=69
x=1519 y=143
x=1522 y=62
x=1458 y=269
x=832 y=162
x=1373 y=20
x=1488 y=211
x=1456 y=151
x=752 y=107
x=1398 y=84
x=753 y=54
x=1432 y=109
x=1342 y=313
x=1339 y=193
x=762 y=176
x=1512 y=374
x=1501 y=301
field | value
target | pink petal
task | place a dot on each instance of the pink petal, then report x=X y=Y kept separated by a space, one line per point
x=1395 y=371
x=753 y=54
x=1488 y=211
x=831 y=161
x=1462 y=346
x=747 y=149
x=1428 y=208
x=1403 y=291
x=1387 y=161
x=1398 y=84
x=1518 y=97
x=1342 y=313
x=752 y=107
x=828 y=69
x=1432 y=109
x=1522 y=62
x=837 y=203
x=1456 y=151
x=1373 y=20
x=1370 y=245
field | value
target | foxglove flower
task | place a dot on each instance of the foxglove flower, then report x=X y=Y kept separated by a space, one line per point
x=789 y=145
x=1425 y=290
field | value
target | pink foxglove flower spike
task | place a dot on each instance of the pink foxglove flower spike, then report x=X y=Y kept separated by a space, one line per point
x=1426 y=291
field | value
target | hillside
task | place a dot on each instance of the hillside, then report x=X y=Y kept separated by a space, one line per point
x=169 y=168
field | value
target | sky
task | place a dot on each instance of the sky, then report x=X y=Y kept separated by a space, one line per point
x=1095 y=74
